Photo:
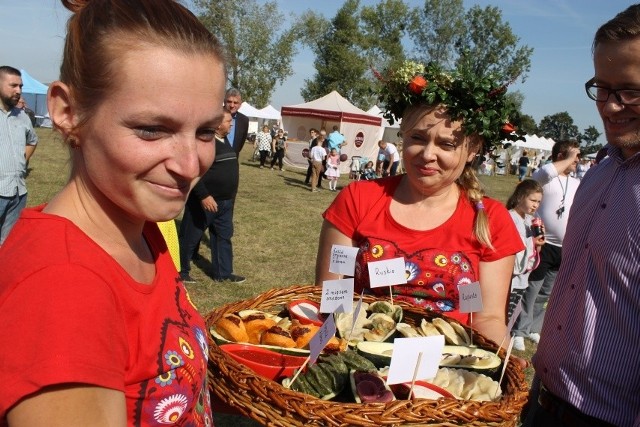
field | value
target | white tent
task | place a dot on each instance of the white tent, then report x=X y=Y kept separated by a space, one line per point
x=391 y=131
x=253 y=114
x=362 y=131
x=533 y=142
x=249 y=110
x=34 y=94
x=269 y=112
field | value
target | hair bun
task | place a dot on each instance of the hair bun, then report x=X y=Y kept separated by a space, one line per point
x=75 y=5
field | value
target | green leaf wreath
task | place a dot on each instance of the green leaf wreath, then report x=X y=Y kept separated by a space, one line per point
x=480 y=102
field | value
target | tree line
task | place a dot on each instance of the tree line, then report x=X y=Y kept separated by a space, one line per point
x=261 y=44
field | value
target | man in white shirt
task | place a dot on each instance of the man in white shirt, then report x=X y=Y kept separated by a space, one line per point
x=559 y=188
x=317 y=156
x=17 y=143
x=392 y=158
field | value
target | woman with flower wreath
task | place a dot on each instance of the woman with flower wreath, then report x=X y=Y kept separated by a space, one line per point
x=435 y=215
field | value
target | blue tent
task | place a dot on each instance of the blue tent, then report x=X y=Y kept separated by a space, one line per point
x=35 y=94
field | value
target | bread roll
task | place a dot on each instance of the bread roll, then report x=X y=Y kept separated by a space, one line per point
x=302 y=334
x=256 y=324
x=278 y=337
x=232 y=328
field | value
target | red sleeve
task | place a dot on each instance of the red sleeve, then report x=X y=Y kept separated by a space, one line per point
x=343 y=213
x=60 y=328
x=504 y=235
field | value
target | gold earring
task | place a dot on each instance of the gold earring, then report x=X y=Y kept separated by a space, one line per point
x=73 y=143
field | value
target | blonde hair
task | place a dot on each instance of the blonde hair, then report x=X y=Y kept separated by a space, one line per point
x=468 y=180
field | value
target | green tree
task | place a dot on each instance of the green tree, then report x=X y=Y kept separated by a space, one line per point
x=340 y=63
x=259 y=50
x=589 y=138
x=476 y=41
x=435 y=29
x=384 y=27
x=558 y=126
x=490 y=46
x=528 y=124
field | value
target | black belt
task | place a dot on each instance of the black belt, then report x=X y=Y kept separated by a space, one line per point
x=567 y=413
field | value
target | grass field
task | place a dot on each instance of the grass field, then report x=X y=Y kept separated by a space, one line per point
x=277 y=224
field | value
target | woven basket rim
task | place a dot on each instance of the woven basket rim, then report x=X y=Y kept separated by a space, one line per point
x=269 y=402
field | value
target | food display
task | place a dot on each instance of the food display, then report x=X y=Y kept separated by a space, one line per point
x=371 y=340
x=269 y=330
x=467 y=385
x=347 y=383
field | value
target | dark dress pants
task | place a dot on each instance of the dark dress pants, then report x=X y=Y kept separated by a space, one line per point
x=220 y=224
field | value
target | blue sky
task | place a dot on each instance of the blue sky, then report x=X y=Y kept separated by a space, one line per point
x=560 y=31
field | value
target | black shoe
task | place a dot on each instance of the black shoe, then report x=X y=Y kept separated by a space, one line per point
x=233 y=278
x=186 y=278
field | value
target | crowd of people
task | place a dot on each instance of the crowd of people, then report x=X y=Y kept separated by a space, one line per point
x=131 y=348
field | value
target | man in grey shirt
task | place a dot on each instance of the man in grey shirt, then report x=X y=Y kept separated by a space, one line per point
x=17 y=143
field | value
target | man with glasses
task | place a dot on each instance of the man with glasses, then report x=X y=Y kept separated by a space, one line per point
x=587 y=361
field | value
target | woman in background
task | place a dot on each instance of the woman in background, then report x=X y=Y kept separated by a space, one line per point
x=522 y=205
x=263 y=144
x=108 y=333
x=435 y=216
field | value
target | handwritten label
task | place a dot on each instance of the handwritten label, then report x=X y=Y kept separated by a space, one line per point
x=405 y=358
x=470 y=298
x=321 y=338
x=337 y=296
x=389 y=272
x=343 y=260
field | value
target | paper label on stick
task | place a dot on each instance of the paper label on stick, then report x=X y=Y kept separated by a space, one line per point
x=470 y=298
x=343 y=260
x=321 y=338
x=387 y=273
x=405 y=356
x=514 y=316
x=337 y=296
x=356 y=313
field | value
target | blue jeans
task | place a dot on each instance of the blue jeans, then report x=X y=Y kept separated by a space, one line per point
x=522 y=172
x=220 y=224
x=10 y=208
x=393 y=170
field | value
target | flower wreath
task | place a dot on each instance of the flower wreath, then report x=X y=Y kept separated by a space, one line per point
x=480 y=102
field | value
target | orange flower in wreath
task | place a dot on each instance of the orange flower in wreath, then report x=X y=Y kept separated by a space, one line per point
x=508 y=128
x=417 y=84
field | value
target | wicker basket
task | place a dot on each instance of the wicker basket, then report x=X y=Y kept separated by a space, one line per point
x=269 y=403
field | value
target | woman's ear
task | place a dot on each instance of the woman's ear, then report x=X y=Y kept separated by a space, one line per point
x=474 y=143
x=61 y=108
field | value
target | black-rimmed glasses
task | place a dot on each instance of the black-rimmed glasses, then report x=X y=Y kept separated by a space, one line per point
x=602 y=94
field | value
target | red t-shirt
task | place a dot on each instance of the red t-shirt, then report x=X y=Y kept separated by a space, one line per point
x=71 y=314
x=436 y=260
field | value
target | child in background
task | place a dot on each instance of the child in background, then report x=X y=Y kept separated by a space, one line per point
x=522 y=205
x=332 y=173
x=369 y=172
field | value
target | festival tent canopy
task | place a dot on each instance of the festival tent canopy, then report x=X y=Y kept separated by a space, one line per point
x=361 y=130
x=391 y=131
x=270 y=113
x=249 y=110
x=34 y=94
x=533 y=142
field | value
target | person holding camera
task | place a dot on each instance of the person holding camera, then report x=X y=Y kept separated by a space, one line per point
x=559 y=188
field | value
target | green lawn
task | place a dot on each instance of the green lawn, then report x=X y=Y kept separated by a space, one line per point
x=277 y=224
